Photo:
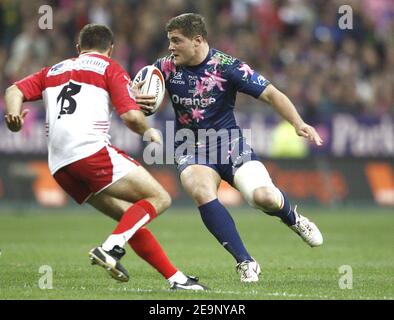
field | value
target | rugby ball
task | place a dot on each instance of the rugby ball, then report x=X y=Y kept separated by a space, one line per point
x=154 y=85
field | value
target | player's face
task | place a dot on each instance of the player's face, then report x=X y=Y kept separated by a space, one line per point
x=183 y=50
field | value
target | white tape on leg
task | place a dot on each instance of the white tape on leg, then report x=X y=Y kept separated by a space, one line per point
x=249 y=177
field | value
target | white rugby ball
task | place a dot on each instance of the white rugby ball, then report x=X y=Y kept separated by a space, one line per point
x=154 y=85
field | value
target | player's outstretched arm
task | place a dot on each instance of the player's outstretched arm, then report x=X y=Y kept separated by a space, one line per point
x=136 y=121
x=14 y=116
x=287 y=110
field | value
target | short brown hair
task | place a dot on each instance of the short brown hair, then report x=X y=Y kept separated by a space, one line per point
x=189 y=24
x=95 y=36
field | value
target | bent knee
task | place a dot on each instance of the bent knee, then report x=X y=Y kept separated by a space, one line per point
x=201 y=183
x=202 y=197
x=161 y=201
x=166 y=200
x=201 y=194
x=266 y=198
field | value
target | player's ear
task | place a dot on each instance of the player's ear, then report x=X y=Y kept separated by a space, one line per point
x=78 y=47
x=110 y=50
x=198 y=40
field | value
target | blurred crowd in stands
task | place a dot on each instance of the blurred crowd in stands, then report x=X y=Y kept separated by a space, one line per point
x=297 y=44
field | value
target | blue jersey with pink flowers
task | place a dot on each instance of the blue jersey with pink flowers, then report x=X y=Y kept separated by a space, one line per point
x=203 y=96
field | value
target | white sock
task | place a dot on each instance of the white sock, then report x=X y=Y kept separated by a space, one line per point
x=113 y=240
x=178 y=277
x=121 y=238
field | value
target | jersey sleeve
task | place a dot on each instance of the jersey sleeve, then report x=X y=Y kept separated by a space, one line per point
x=166 y=66
x=247 y=80
x=33 y=85
x=119 y=89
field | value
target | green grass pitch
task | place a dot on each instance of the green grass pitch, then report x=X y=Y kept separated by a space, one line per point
x=290 y=269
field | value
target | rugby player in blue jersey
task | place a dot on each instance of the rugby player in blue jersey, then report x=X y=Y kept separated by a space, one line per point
x=202 y=83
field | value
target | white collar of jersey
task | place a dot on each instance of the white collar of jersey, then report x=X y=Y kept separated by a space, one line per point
x=90 y=52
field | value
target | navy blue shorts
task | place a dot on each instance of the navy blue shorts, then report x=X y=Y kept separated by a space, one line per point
x=223 y=153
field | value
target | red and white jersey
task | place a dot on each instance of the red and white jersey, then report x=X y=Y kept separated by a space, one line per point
x=78 y=94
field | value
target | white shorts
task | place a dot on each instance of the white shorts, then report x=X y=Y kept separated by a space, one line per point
x=93 y=174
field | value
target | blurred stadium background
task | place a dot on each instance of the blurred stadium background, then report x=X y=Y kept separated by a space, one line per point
x=341 y=81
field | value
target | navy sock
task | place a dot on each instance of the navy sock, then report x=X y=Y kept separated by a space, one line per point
x=220 y=223
x=286 y=214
